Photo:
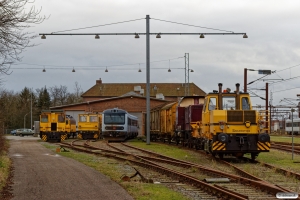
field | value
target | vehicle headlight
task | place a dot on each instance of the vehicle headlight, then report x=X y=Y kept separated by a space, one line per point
x=223 y=137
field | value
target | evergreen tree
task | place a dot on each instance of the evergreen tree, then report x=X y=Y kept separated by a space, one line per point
x=44 y=101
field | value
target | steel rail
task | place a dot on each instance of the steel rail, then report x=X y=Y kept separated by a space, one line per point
x=217 y=191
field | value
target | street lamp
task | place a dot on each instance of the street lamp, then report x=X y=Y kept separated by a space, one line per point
x=24 y=119
x=158 y=35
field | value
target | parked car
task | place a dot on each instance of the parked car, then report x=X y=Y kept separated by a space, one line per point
x=13 y=132
x=24 y=131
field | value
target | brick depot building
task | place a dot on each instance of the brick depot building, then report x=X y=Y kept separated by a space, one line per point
x=127 y=96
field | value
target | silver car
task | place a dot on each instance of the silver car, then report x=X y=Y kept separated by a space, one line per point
x=24 y=131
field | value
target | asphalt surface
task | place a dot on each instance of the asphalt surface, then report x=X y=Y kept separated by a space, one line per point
x=41 y=174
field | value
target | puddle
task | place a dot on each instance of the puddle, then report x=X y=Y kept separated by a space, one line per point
x=17 y=155
x=54 y=155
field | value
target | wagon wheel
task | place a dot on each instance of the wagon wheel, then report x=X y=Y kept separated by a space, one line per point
x=221 y=155
x=253 y=156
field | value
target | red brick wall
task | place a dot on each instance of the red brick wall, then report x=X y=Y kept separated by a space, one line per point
x=130 y=104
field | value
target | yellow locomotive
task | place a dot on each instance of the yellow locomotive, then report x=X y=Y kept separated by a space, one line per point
x=89 y=126
x=221 y=124
x=55 y=125
x=230 y=126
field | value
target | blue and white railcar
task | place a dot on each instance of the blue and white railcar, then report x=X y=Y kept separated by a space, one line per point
x=292 y=127
x=118 y=125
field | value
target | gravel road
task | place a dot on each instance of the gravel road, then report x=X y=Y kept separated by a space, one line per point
x=41 y=174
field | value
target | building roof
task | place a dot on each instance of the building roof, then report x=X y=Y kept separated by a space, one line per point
x=104 y=100
x=118 y=89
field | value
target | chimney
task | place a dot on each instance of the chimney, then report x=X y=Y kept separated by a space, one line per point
x=237 y=99
x=220 y=103
x=98 y=81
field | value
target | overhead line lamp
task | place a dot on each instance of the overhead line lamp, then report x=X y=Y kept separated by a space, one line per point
x=44 y=70
x=106 y=70
x=158 y=36
x=169 y=70
x=245 y=36
x=97 y=36
x=73 y=70
x=43 y=37
x=136 y=36
x=201 y=36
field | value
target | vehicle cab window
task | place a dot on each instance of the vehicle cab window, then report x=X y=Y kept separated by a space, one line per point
x=82 y=118
x=229 y=103
x=61 y=118
x=44 y=118
x=245 y=103
x=212 y=103
x=93 y=119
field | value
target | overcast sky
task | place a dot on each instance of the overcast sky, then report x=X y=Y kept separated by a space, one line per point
x=273 y=44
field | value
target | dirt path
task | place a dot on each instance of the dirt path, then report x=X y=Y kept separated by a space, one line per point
x=41 y=174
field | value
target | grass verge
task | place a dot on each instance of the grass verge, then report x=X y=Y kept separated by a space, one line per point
x=5 y=164
x=285 y=139
x=114 y=170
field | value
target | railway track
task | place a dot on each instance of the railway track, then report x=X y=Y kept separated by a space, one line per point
x=269 y=173
x=197 y=179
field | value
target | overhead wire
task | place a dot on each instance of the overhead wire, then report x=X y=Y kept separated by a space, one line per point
x=75 y=29
x=86 y=67
x=192 y=25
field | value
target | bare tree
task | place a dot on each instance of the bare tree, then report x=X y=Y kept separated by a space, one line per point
x=77 y=93
x=14 y=19
x=59 y=95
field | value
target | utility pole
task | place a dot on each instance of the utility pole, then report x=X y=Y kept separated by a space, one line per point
x=187 y=74
x=31 y=109
x=292 y=133
x=267 y=108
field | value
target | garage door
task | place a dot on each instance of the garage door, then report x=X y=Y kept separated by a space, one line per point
x=74 y=114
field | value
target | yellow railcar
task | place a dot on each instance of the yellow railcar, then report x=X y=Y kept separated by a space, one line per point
x=89 y=126
x=55 y=125
x=230 y=126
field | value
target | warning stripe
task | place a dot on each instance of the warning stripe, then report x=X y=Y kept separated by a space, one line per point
x=79 y=136
x=44 y=138
x=63 y=137
x=263 y=146
x=218 y=146
x=95 y=135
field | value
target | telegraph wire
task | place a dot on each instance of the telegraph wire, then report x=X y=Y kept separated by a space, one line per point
x=75 y=29
x=286 y=89
x=85 y=67
x=192 y=25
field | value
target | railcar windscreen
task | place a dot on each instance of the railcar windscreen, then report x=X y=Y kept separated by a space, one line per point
x=295 y=124
x=114 y=118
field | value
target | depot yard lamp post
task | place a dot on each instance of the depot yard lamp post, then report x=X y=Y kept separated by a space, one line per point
x=266 y=73
x=25 y=119
x=137 y=36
